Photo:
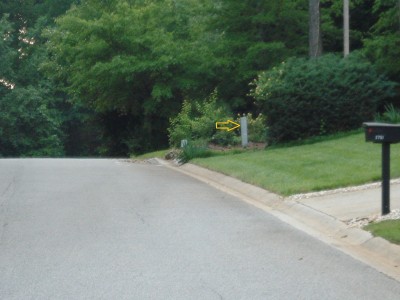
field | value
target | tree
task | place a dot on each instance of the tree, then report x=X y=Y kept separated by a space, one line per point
x=132 y=62
x=346 y=28
x=29 y=105
x=256 y=35
x=28 y=126
x=332 y=19
x=7 y=56
x=383 y=47
x=315 y=36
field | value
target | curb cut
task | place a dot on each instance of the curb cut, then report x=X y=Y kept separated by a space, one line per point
x=361 y=245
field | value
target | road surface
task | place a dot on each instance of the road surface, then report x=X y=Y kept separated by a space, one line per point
x=110 y=229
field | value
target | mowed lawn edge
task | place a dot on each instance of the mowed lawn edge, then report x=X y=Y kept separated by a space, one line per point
x=389 y=230
x=157 y=154
x=337 y=162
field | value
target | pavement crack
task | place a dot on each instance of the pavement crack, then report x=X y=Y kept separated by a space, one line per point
x=212 y=290
x=5 y=191
x=141 y=218
x=6 y=195
x=317 y=210
x=216 y=292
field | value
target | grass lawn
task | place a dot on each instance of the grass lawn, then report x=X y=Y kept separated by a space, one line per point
x=336 y=162
x=159 y=154
x=389 y=230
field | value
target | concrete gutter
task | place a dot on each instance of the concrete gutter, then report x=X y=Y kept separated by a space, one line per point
x=361 y=245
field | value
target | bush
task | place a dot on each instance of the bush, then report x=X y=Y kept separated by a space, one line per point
x=257 y=128
x=303 y=98
x=196 y=121
x=193 y=150
x=226 y=138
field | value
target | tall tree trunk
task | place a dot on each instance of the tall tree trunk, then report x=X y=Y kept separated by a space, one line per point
x=346 y=28
x=315 y=40
x=398 y=12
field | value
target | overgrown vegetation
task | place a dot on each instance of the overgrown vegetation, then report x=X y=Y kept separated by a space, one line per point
x=196 y=122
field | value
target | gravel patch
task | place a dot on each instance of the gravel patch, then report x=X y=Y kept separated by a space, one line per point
x=361 y=222
x=341 y=190
x=149 y=161
x=356 y=222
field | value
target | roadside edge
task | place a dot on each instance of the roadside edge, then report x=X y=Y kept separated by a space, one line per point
x=361 y=245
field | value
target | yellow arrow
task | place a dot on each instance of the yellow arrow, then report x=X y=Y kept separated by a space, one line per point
x=220 y=125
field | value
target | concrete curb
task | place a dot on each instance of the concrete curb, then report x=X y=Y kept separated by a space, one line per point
x=360 y=244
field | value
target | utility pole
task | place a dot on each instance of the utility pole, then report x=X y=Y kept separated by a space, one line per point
x=346 y=28
x=315 y=39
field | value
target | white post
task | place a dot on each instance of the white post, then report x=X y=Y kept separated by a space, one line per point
x=243 y=131
x=346 y=28
x=184 y=143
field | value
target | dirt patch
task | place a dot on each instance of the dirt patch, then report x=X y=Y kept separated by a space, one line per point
x=250 y=146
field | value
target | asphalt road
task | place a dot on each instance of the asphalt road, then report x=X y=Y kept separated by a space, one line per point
x=109 y=229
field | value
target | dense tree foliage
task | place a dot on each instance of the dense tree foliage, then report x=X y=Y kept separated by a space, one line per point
x=104 y=77
x=26 y=94
x=132 y=61
x=7 y=55
x=362 y=18
x=383 y=46
x=255 y=36
x=28 y=126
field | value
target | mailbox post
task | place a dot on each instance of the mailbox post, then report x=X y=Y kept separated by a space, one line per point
x=384 y=134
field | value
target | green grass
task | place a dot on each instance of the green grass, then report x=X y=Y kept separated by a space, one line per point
x=162 y=153
x=159 y=154
x=339 y=161
x=389 y=230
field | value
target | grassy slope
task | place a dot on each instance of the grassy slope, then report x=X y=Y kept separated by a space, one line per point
x=159 y=154
x=329 y=164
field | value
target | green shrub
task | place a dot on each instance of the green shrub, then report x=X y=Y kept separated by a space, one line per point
x=226 y=138
x=303 y=98
x=196 y=121
x=257 y=128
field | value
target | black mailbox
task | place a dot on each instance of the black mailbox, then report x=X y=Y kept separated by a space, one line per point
x=382 y=133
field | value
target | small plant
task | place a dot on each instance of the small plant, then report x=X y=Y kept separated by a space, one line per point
x=193 y=150
x=391 y=115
